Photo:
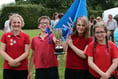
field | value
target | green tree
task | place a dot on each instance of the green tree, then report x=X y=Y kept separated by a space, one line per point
x=103 y=4
x=53 y=3
x=36 y=1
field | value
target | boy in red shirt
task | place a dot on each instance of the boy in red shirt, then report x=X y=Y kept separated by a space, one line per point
x=43 y=57
x=102 y=54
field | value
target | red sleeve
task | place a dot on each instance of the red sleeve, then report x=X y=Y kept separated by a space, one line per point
x=32 y=44
x=3 y=38
x=27 y=39
x=51 y=36
x=90 y=50
x=90 y=40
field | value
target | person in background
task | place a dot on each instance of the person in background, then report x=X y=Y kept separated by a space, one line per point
x=43 y=48
x=111 y=26
x=76 y=63
x=15 y=46
x=102 y=54
x=6 y=25
x=98 y=19
x=59 y=17
x=92 y=22
x=116 y=42
x=116 y=36
x=54 y=18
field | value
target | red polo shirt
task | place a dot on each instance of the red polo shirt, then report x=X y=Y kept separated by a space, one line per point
x=15 y=47
x=44 y=52
x=102 y=58
x=73 y=61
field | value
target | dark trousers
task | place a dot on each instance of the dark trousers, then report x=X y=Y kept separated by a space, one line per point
x=111 y=35
x=15 y=74
x=92 y=77
x=47 y=73
x=76 y=74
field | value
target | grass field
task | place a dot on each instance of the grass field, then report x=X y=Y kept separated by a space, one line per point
x=33 y=33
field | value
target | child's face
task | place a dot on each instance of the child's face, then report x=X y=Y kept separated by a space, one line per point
x=16 y=24
x=80 y=27
x=43 y=24
x=100 y=33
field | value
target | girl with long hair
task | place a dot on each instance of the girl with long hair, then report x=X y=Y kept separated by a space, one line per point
x=76 y=63
x=102 y=54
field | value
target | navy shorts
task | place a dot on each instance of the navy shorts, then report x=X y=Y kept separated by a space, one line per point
x=15 y=74
x=76 y=74
x=47 y=73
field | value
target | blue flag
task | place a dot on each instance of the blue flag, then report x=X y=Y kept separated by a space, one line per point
x=77 y=9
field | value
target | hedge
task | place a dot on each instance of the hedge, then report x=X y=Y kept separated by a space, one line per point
x=95 y=12
x=31 y=13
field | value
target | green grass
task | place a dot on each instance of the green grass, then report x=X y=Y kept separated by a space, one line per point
x=33 y=33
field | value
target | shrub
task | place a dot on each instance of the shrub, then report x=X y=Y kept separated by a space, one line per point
x=30 y=13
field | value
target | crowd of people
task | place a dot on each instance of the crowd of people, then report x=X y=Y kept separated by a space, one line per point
x=90 y=51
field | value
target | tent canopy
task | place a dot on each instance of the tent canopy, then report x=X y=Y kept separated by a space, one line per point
x=112 y=11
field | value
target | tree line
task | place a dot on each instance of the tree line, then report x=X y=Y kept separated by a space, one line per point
x=91 y=4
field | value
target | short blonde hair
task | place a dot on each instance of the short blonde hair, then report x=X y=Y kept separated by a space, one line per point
x=19 y=16
x=98 y=17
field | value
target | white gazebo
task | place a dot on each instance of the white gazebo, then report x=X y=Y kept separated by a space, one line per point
x=112 y=11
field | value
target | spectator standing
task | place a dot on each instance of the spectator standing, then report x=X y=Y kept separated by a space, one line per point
x=54 y=18
x=111 y=26
x=98 y=19
x=92 y=22
x=6 y=25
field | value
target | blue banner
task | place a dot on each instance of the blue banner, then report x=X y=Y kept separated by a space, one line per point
x=77 y=9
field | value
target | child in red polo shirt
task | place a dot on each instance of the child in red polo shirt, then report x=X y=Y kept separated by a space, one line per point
x=102 y=54
x=76 y=63
x=15 y=47
x=43 y=49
